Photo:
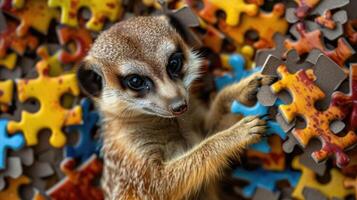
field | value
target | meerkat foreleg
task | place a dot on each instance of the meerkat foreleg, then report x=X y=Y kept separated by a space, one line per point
x=205 y=162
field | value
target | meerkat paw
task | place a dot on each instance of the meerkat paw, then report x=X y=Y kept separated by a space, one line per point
x=250 y=129
x=253 y=83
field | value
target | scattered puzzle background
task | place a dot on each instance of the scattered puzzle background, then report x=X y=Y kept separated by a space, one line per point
x=49 y=131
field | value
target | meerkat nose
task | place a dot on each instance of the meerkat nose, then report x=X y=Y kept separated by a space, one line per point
x=178 y=106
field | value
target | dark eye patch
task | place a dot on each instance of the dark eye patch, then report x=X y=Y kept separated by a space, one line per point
x=175 y=64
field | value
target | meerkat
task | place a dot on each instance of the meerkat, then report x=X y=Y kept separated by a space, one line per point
x=158 y=141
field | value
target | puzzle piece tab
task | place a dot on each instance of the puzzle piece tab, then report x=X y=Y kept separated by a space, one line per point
x=304 y=94
x=9 y=40
x=6 y=87
x=35 y=14
x=260 y=178
x=79 y=182
x=12 y=191
x=332 y=189
x=100 y=10
x=265 y=24
x=348 y=102
x=87 y=145
x=48 y=91
x=80 y=36
x=14 y=142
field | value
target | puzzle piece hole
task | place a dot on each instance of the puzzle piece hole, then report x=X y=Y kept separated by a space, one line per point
x=32 y=105
x=251 y=35
x=84 y=13
x=67 y=101
x=324 y=179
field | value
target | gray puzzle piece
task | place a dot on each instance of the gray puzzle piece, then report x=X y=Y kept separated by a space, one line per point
x=318 y=10
x=308 y=161
x=261 y=193
x=13 y=170
x=340 y=19
x=278 y=51
x=312 y=194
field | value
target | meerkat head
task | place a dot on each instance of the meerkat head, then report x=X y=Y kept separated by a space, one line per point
x=143 y=63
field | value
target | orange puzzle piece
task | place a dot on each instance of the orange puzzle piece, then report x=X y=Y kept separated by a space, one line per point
x=80 y=36
x=265 y=24
x=35 y=14
x=11 y=192
x=313 y=40
x=9 y=40
x=48 y=91
x=304 y=94
x=79 y=182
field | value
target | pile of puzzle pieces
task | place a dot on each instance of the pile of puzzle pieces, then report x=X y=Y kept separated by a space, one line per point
x=49 y=130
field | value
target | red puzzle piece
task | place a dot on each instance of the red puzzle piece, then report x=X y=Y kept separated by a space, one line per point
x=348 y=102
x=79 y=182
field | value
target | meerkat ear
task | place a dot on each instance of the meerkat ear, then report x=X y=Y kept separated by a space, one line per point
x=90 y=81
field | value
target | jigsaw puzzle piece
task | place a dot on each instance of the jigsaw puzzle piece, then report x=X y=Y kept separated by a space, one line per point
x=213 y=38
x=308 y=179
x=348 y=102
x=81 y=36
x=48 y=91
x=9 y=40
x=313 y=40
x=87 y=145
x=7 y=86
x=12 y=191
x=79 y=183
x=14 y=142
x=237 y=62
x=35 y=14
x=234 y=9
x=265 y=24
x=260 y=178
x=305 y=93
x=100 y=10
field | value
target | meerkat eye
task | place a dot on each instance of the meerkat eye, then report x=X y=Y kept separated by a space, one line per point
x=174 y=65
x=136 y=82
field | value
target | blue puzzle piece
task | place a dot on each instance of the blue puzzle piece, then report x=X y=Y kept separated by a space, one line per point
x=265 y=179
x=238 y=72
x=14 y=142
x=259 y=109
x=87 y=145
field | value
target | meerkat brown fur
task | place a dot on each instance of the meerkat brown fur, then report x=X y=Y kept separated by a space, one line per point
x=158 y=142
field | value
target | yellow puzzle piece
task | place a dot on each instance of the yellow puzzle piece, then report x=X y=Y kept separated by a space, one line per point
x=351 y=183
x=6 y=87
x=100 y=10
x=11 y=192
x=332 y=189
x=305 y=94
x=35 y=14
x=265 y=24
x=234 y=8
x=48 y=90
